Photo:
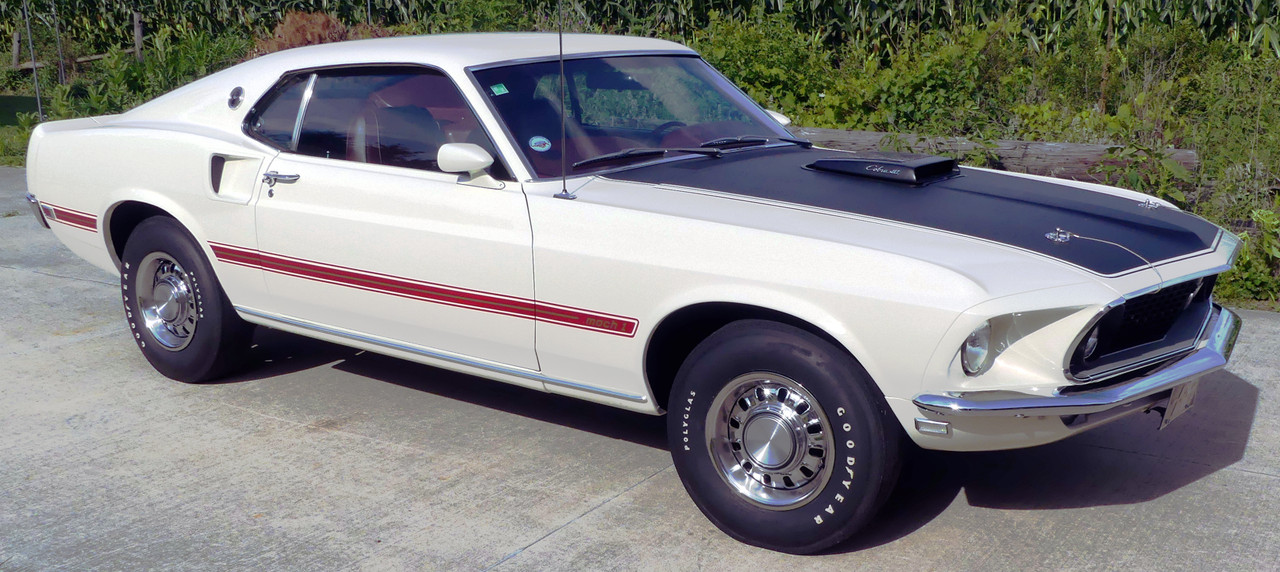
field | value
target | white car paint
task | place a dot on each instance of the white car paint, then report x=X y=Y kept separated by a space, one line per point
x=618 y=259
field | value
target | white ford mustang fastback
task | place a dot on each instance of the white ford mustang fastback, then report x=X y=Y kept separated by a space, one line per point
x=643 y=235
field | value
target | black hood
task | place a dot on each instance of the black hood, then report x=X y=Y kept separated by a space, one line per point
x=993 y=206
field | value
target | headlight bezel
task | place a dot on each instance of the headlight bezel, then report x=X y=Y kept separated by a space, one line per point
x=1005 y=331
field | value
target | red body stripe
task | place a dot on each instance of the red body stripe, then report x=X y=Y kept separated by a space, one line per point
x=73 y=218
x=427 y=291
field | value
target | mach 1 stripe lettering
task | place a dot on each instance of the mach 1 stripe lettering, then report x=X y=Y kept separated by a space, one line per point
x=426 y=291
x=70 y=217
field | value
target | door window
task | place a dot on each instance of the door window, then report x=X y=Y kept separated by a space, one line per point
x=396 y=116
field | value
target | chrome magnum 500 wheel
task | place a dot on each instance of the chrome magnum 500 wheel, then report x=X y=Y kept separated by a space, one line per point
x=175 y=307
x=781 y=438
x=768 y=439
x=166 y=300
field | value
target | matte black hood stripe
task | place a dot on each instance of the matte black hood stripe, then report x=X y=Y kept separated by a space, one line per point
x=993 y=206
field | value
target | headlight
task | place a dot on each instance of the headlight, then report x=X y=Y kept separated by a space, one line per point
x=1090 y=344
x=976 y=349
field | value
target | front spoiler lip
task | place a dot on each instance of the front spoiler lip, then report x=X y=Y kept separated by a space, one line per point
x=35 y=208
x=1224 y=327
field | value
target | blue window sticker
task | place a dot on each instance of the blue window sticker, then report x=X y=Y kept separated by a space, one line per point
x=498 y=89
x=540 y=144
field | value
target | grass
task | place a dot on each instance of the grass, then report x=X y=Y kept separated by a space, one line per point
x=12 y=105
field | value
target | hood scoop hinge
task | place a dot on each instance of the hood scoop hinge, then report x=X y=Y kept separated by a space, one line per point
x=899 y=167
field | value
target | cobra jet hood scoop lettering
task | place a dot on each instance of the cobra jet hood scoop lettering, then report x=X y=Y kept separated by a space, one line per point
x=901 y=167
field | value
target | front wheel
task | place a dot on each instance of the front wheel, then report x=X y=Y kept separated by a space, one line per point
x=177 y=312
x=781 y=438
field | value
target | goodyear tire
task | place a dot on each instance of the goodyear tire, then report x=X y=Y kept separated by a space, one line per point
x=177 y=312
x=781 y=438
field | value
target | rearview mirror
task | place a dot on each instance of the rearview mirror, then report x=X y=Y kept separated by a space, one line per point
x=780 y=118
x=612 y=79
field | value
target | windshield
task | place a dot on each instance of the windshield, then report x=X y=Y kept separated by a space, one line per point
x=616 y=104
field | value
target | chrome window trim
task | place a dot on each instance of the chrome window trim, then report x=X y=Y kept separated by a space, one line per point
x=302 y=111
x=580 y=56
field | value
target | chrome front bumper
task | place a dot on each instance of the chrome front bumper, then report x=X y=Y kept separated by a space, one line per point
x=35 y=208
x=1210 y=356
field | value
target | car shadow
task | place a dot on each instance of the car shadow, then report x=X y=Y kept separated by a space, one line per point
x=1128 y=461
x=276 y=353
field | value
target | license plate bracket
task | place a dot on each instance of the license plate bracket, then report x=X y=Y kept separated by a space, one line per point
x=1180 y=400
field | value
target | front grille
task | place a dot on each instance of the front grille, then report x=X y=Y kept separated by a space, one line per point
x=1144 y=328
x=1148 y=317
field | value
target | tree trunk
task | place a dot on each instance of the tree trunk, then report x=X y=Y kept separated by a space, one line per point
x=17 y=47
x=137 y=35
x=1106 y=59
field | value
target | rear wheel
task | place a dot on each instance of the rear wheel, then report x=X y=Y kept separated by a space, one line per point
x=177 y=312
x=781 y=438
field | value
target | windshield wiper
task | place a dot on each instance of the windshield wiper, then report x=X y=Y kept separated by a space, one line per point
x=643 y=152
x=733 y=142
x=750 y=141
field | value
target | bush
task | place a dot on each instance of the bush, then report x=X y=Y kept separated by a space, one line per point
x=776 y=65
x=299 y=29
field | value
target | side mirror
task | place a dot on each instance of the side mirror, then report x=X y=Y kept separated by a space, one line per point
x=469 y=159
x=780 y=118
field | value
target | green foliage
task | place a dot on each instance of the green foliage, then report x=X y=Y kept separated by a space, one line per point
x=119 y=82
x=943 y=84
x=1147 y=170
x=882 y=27
x=13 y=145
x=1254 y=276
x=14 y=138
x=479 y=16
x=775 y=64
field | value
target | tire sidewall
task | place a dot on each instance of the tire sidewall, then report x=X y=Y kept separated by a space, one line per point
x=199 y=360
x=860 y=445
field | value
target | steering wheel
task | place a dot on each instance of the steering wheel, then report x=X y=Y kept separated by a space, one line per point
x=657 y=132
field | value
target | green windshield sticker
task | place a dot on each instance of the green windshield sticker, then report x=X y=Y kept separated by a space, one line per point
x=498 y=89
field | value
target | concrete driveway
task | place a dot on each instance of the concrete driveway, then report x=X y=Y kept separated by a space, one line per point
x=326 y=458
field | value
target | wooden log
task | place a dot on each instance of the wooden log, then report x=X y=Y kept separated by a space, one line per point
x=79 y=60
x=1066 y=160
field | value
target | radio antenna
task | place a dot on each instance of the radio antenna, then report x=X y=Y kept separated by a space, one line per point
x=35 y=75
x=564 y=139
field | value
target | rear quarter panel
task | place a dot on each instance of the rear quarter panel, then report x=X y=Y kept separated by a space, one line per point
x=94 y=167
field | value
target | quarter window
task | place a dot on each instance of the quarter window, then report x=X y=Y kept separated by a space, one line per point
x=274 y=117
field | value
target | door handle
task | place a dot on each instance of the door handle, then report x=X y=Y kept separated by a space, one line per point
x=272 y=177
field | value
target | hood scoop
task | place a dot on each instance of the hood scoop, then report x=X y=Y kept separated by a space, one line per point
x=900 y=167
